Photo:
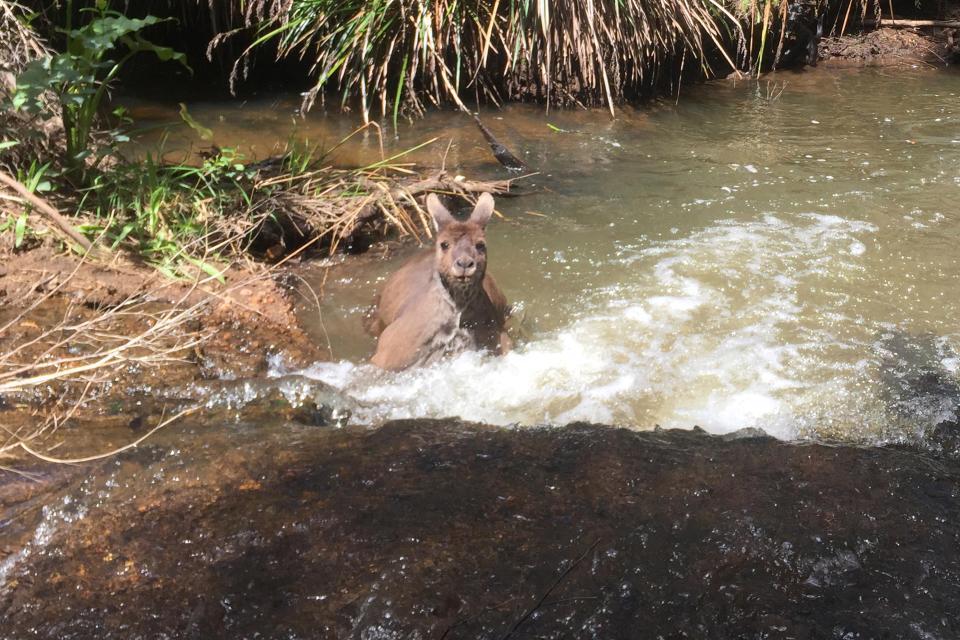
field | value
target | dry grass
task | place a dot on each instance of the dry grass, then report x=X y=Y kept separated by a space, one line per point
x=64 y=356
x=18 y=43
x=333 y=205
x=85 y=352
x=418 y=52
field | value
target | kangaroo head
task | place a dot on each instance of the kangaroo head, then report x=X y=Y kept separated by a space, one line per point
x=461 y=248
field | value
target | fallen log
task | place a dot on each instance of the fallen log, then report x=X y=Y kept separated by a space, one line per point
x=897 y=23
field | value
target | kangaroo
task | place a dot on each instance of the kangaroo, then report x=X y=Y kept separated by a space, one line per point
x=442 y=301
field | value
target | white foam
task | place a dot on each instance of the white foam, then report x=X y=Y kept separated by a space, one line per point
x=705 y=330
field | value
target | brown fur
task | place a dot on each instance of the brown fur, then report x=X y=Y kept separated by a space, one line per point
x=442 y=301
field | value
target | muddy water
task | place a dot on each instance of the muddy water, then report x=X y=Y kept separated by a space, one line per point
x=780 y=256
x=776 y=255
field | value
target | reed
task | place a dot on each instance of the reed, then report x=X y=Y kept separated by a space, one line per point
x=395 y=54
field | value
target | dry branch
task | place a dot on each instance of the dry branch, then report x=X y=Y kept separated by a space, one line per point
x=46 y=210
x=898 y=23
x=500 y=152
x=332 y=205
x=439 y=183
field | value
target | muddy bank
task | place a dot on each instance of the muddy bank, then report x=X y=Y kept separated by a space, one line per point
x=58 y=312
x=444 y=529
x=888 y=46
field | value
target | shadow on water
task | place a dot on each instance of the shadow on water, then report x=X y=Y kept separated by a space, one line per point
x=443 y=529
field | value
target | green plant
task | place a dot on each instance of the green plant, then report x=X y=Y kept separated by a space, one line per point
x=177 y=216
x=35 y=179
x=78 y=80
x=18 y=224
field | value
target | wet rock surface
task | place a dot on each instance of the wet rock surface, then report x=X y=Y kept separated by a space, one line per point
x=440 y=529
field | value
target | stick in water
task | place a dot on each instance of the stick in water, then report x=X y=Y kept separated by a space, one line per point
x=100 y=456
x=500 y=152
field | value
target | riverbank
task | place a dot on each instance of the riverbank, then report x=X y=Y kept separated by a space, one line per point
x=886 y=46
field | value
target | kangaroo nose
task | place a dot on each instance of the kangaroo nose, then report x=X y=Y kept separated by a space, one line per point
x=465 y=263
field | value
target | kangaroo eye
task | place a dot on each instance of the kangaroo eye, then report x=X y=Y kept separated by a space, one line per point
x=481 y=246
x=444 y=245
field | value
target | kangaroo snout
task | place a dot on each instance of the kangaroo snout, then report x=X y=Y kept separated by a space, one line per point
x=464 y=267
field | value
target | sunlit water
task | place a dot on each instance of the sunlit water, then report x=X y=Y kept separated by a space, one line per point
x=780 y=256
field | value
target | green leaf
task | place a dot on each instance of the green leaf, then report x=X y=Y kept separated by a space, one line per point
x=167 y=272
x=202 y=131
x=20 y=230
x=79 y=78
x=127 y=228
x=47 y=74
x=7 y=144
x=209 y=269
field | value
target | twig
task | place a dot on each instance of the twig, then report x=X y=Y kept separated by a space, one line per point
x=900 y=23
x=37 y=454
x=556 y=583
x=438 y=182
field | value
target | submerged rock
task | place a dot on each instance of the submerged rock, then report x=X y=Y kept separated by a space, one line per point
x=440 y=529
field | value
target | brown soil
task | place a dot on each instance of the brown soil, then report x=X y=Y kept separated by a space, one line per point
x=889 y=46
x=245 y=321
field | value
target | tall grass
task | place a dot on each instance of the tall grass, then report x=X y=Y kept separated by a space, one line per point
x=396 y=53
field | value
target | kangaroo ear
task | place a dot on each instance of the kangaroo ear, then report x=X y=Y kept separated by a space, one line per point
x=484 y=209
x=441 y=216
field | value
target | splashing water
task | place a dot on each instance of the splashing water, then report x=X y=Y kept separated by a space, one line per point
x=761 y=271
x=714 y=330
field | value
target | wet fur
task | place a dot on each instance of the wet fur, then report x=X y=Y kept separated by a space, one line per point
x=432 y=307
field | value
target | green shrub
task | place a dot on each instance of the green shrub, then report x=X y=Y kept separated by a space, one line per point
x=78 y=80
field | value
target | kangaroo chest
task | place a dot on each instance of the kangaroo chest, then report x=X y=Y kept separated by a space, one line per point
x=459 y=326
x=449 y=339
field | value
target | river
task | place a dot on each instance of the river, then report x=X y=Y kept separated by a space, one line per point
x=777 y=255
